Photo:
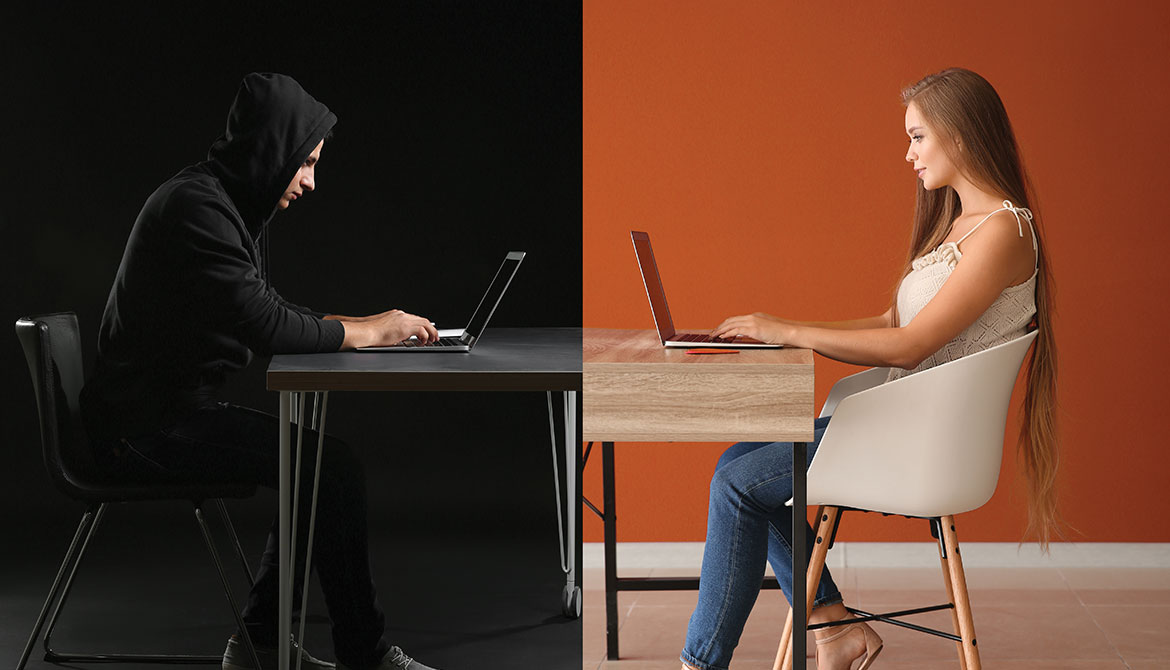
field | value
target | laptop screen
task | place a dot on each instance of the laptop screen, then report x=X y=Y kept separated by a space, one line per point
x=487 y=304
x=653 y=284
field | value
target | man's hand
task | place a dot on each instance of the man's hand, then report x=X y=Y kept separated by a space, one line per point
x=387 y=328
x=358 y=319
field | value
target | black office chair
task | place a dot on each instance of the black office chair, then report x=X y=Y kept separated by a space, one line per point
x=52 y=347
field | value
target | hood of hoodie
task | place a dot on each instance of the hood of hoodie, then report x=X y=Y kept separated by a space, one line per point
x=272 y=128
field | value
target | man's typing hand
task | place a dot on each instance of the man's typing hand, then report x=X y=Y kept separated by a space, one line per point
x=387 y=328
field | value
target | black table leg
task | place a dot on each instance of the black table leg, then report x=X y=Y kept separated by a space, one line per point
x=575 y=505
x=610 y=521
x=613 y=584
x=799 y=554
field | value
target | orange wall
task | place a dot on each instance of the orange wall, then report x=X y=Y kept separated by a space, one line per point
x=762 y=144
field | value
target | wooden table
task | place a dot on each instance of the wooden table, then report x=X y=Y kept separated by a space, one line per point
x=505 y=359
x=636 y=390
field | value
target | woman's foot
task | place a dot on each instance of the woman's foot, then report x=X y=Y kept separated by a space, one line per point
x=838 y=648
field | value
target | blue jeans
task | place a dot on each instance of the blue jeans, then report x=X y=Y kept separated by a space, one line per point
x=747 y=523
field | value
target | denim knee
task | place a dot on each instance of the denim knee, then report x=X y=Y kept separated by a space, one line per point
x=723 y=485
x=735 y=451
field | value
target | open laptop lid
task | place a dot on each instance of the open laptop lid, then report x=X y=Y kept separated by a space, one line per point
x=653 y=284
x=491 y=299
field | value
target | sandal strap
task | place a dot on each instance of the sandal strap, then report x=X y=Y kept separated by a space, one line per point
x=845 y=629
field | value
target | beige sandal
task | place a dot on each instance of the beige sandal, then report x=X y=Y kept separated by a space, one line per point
x=873 y=643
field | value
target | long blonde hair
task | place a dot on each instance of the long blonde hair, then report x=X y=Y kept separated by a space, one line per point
x=961 y=105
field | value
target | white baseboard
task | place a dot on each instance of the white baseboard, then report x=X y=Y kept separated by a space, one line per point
x=689 y=555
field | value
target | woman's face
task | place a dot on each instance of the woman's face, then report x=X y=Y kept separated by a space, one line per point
x=926 y=153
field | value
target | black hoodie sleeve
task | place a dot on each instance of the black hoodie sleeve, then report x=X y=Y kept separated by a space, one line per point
x=295 y=307
x=225 y=285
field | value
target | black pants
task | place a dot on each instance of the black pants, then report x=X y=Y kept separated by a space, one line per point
x=229 y=443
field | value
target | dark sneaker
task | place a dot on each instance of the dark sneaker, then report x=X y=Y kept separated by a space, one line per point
x=395 y=659
x=236 y=657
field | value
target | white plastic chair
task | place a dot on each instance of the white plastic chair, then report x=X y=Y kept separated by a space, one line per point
x=927 y=445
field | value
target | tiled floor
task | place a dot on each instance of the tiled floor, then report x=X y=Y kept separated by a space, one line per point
x=1036 y=618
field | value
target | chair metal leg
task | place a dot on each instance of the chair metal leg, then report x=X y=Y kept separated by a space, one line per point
x=227 y=589
x=231 y=529
x=962 y=602
x=68 y=588
x=82 y=530
x=89 y=526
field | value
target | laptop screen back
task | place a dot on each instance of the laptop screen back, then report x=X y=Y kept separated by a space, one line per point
x=653 y=284
x=487 y=304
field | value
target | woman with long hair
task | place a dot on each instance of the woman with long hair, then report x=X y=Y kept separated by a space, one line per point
x=976 y=276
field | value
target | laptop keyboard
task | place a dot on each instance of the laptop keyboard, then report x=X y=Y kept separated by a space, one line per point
x=441 y=342
x=698 y=337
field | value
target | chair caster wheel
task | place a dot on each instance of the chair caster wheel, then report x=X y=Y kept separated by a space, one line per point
x=571 y=601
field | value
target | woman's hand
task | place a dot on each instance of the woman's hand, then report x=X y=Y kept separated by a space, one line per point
x=760 y=326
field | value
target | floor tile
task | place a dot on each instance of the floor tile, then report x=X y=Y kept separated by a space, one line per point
x=1115 y=578
x=1035 y=618
x=1137 y=586
x=1030 y=664
x=593 y=623
x=908 y=599
x=1148 y=665
x=640 y=665
x=1123 y=596
x=1022 y=632
x=1138 y=631
x=1033 y=579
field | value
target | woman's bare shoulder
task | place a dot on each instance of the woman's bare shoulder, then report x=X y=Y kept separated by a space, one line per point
x=1005 y=240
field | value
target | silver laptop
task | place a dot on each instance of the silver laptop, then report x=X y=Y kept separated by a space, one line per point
x=661 y=312
x=465 y=340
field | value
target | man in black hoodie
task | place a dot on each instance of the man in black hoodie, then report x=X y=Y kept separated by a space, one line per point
x=192 y=303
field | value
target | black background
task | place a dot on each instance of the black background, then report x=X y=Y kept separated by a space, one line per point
x=459 y=139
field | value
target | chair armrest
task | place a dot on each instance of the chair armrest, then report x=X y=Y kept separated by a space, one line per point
x=847 y=386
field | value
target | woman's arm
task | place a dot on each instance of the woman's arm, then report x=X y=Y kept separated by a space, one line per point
x=880 y=321
x=991 y=262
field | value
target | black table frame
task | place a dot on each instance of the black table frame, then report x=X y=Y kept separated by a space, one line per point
x=505 y=359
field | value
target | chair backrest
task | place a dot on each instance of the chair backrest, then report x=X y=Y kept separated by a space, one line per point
x=52 y=348
x=928 y=444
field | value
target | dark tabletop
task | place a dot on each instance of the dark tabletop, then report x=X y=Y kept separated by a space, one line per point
x=504 y=359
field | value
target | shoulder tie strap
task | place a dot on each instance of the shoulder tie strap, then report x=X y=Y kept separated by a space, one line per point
x=1018 y=212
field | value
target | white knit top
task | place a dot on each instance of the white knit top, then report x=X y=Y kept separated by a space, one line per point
x=1006 y=319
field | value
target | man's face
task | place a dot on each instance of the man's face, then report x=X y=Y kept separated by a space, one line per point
x=304 y=180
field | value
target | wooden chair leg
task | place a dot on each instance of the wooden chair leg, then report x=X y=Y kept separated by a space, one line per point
x=826 y=520
x=784 y=654
x=946 y=574
x=958 y=581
